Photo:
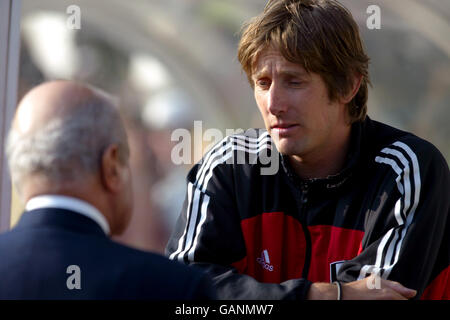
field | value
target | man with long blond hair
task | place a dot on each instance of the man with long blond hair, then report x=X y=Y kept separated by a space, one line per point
x=357 y=209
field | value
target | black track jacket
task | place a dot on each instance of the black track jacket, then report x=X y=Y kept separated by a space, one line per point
x=269 y=236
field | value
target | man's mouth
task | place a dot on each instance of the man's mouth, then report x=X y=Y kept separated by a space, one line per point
x=283 y=130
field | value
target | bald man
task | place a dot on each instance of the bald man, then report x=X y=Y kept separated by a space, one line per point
x=68 y=156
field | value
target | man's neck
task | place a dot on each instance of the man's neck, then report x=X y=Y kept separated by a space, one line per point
x=324 y=162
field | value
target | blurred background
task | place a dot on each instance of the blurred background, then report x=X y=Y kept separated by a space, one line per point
x=174 y=61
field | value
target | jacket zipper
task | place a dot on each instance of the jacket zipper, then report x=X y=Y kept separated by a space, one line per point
x=303 y=218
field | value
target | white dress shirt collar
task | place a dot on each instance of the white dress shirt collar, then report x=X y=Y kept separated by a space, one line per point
x=68 y=203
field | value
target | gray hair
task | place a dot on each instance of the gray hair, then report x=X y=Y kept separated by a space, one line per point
x=68 y=148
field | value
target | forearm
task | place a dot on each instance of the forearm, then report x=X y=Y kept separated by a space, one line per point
x=231 y=285
x=361 y=290
x=322 y=291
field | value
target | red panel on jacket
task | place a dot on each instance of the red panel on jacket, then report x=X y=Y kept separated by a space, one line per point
x=276 y=248
x=331 y=244
x=439 y=289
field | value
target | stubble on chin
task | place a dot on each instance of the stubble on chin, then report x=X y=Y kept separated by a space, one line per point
x=288 y=146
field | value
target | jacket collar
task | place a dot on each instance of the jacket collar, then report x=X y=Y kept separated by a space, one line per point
x=333 y=181
x=71 y=204
x=56 y=218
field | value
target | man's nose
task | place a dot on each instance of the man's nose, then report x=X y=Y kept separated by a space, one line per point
x=276 y=100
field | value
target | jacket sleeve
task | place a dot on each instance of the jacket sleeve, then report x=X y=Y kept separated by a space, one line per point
x=208 y=234
x=406 y=236
x=203 y=289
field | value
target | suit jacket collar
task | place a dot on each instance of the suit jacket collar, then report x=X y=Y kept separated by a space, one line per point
x=68 y=203
x=59 y=219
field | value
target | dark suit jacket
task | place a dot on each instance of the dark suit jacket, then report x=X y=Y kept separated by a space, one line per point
x=36 y=254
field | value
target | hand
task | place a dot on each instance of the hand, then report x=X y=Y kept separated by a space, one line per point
x=370 y=288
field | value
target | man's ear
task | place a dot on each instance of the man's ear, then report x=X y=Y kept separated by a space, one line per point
x=356 y=84
x=110 y=169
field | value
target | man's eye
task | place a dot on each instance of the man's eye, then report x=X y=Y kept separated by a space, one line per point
x=295 y=83
x=263 y=83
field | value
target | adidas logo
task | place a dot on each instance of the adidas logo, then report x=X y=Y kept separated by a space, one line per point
x=264 y=261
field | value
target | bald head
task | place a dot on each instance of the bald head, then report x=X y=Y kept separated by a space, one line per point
x=53 y=100
x=60 y=130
